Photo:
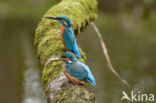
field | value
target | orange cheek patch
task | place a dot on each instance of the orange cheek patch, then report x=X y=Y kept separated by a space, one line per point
x=63 y=20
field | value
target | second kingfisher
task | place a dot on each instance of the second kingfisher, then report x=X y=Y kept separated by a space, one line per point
x=67 y=34
x=77 y=72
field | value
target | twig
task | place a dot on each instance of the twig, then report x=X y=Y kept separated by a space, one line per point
x=106 y=54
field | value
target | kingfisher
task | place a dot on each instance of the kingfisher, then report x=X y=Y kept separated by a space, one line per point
x=67 y=34
x=77 y=72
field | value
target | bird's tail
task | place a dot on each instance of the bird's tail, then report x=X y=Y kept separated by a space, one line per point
x=91 y=80
x=76 y=51
x=90 y=76
x=78 y=54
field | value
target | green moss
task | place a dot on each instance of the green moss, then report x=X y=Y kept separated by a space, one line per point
x=72 y=94
x=49 y=44
x=47 y=39
x=51 y=72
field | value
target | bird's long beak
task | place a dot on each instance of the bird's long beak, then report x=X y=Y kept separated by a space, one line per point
x=51 y=17
x=56 y=59
x=53 y=59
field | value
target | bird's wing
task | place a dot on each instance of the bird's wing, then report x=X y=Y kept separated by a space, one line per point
x=90 y=75
x=69 y=38
x=76 y=70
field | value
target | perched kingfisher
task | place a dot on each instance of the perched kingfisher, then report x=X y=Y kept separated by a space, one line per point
x=77 y=72
x=67 y=34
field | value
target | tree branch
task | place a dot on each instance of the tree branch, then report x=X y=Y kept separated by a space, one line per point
x=103 y=45
x=48 y=43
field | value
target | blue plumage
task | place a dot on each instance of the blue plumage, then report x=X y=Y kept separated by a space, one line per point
x=74 y=68
x=68 y=34
x=78 y=69
x=90 y=75
x=69 y=39
x=68 y=23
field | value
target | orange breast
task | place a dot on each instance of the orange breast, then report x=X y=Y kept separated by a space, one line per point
x=72 y=79
x=62 y=31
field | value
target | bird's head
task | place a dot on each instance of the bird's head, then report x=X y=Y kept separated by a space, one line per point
x=67 y=57
x=62 y=19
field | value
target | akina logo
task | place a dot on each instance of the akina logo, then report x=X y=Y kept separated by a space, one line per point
x=138 y=97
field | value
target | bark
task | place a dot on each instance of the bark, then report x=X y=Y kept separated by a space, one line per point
x=48 y=43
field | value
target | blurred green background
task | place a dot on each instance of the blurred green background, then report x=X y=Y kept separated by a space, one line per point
x=128 y=28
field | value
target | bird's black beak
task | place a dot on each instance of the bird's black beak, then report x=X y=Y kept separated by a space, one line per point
x=51 y=17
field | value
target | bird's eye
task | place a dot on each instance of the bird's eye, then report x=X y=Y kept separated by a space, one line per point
x=60 y=19
x=62 y=56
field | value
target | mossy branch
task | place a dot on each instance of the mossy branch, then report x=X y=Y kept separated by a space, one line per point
x=48 y=43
